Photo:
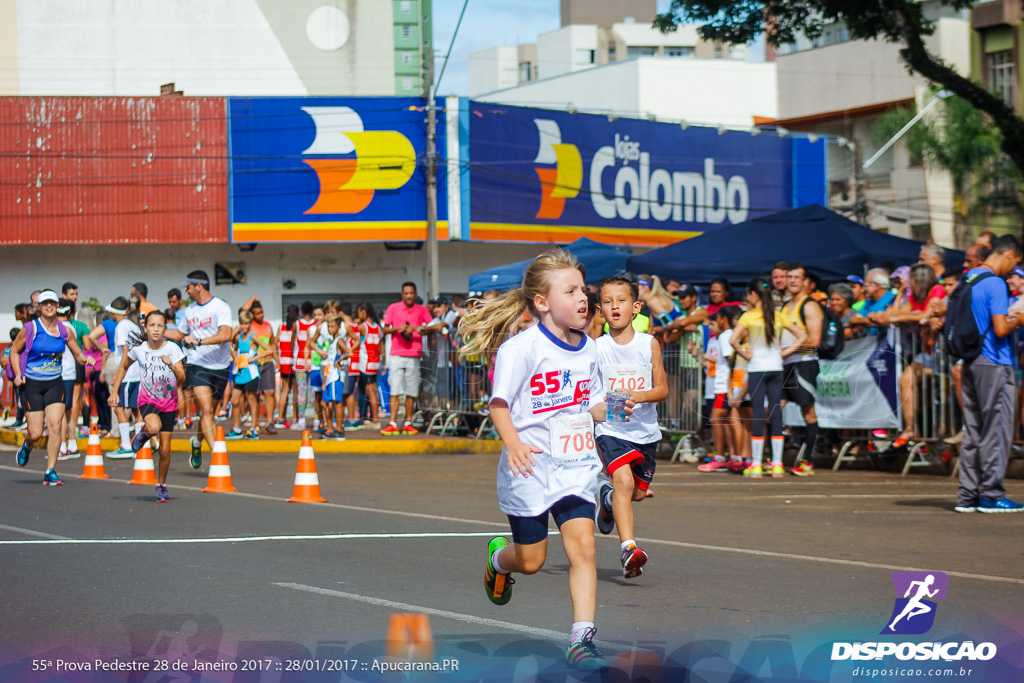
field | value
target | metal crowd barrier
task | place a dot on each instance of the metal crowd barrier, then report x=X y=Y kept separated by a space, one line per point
x=454 y=393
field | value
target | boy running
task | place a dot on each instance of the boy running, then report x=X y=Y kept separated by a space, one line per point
x=630 y=363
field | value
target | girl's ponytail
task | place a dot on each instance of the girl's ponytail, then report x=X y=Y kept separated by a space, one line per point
x=760 y=287
x=489 y=323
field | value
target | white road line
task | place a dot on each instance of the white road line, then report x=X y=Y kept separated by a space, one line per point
x=339 y=506
x=827 y=560
x=33 y=532
x=60 y=540
x=545 y=633
x=678 y=544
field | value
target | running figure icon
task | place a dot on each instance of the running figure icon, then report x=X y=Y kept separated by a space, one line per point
x=914 y=606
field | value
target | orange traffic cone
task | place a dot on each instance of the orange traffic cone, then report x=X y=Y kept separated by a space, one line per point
x=307 y=483
x=220 y=471
x=94 y=456
x=409 y=638
x=144 y=471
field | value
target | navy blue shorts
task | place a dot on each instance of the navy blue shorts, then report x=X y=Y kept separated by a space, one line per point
x=128 y=395
x=69 y=393
x=530 y=530
x=316 y=382
x=616 y=453
x=350 y=384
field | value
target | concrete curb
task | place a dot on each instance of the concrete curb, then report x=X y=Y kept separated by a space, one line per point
x=390 y=445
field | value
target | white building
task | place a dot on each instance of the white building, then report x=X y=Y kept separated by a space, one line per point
x=840 y=87
x=629 y=69
x=227 y=47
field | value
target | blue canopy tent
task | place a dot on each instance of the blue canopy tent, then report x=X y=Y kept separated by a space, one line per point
x=830 y=245
x=600 y=260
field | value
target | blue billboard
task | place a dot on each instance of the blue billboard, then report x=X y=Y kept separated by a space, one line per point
x=540 y=175
x=318 y=169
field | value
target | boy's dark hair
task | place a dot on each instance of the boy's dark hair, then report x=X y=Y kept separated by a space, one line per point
x=796 y=265
x=256 y=303
x=174 y=291
x=306 y=308
x=781 y=265
x=67 y=286
x=409 y=284
x=730 y=313
x=142 y=289
x=1005 y=243
x=346 y=308
x=634 y=288
x=14 y=332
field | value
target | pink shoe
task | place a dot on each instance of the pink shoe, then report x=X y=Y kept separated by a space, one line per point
x=714 y=466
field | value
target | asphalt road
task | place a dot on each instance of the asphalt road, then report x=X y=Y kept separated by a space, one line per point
x=745 y=578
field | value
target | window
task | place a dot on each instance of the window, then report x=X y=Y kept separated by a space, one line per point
x=678 y=51
x=405 y=7
x=584 y=57
x=611 y=54
x=640 y=51
x=407 y=82
x=407 y=32
x=407 y=58
x=525 y=72
x=1000 y=75
x=718 y=53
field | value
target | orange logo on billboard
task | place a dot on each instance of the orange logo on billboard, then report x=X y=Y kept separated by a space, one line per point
x=564 y=180
x=383 y=160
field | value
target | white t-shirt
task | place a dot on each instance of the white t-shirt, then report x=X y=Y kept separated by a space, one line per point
x=124 y=330
x=541 y=378
x=158 y=384
x=202 y=322
x=643 y=423
x=715 y=351
x=722 y=372
x=68 y=365
x=332 y=372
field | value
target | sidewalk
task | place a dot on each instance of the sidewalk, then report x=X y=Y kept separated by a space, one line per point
x=288 y=441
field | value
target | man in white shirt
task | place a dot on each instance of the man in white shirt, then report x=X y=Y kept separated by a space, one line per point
x=205 y=333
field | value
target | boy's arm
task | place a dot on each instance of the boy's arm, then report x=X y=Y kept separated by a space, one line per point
x=659 y=392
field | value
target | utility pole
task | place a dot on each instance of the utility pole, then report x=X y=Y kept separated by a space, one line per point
x=430 y=167
x=860 y=202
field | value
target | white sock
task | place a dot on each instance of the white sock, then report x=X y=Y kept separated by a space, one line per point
x=494 y=562
x=625 y=544
x=393 y=424
x=407 y=423
x=757 y=449
x=72 y=444
x=777 y=444
x=126 y=435
x=578 y=629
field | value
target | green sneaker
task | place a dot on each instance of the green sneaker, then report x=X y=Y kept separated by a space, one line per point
x=196 y=459
x=497 y=585
x=584 y=654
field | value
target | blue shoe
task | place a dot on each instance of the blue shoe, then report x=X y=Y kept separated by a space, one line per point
x=23 y=453
x=161 y=494
x=1001 y=505
x=196 y=459
x=234 y=435
x=50 y=478
x=139 y=440
x=121 y=454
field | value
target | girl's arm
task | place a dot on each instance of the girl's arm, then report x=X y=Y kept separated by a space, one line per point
x=126 y=362
x=179 y=373
x=520 y=455
x=738 y=336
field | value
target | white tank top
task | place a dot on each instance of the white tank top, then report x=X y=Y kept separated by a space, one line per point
x=643 y=424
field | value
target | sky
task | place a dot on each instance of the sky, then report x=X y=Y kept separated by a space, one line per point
x=489 y=23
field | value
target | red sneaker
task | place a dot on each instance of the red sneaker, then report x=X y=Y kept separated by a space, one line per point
x=390 y=430
x=409 y=429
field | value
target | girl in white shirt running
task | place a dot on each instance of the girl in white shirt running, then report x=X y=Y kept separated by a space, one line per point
x=546 y=394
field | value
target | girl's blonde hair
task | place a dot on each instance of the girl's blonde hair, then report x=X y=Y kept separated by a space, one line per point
x=244 y=317
x=490 y=323
x=659 y=292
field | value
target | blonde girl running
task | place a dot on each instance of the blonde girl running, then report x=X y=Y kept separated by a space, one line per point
x=547 y=393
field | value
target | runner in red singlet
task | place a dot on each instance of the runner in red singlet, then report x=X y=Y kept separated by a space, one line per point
x=286 y=353
x=369 y=359
x=304 y=332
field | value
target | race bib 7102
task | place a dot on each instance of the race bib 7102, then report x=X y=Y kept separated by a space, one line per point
x=627 y=377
